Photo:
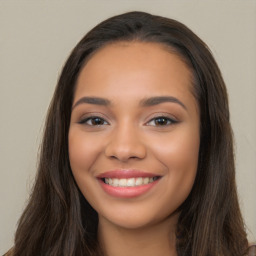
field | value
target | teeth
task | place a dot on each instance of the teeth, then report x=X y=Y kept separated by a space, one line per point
x=146 y=180
x=115 y=182
x=122 y=182
x=139 y=181
x=131 y=182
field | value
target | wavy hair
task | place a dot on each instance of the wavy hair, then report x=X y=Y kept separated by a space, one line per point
x=58 y=221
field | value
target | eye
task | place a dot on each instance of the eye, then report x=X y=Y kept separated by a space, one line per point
x=161 y=121
x=93 y=121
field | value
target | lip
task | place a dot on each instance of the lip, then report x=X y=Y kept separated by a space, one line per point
x=126 y=174
x=127 y=192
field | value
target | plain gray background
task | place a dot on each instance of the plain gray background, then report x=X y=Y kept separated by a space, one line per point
x=36 y=38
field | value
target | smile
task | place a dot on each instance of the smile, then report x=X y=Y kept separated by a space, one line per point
x=127 y=183
x=131 y=182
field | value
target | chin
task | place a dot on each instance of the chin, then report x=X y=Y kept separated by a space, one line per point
x=138 y=219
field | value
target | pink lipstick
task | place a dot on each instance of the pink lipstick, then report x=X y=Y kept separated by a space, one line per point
x=127 y=183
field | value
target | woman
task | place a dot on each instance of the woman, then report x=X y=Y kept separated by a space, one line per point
x=137 y=154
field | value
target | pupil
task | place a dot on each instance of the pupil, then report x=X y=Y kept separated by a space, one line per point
x=97 y=121
x=161 y=121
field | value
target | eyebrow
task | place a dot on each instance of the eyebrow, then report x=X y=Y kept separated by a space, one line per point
x=144 y=102
x=161 y=99
x=92 y=100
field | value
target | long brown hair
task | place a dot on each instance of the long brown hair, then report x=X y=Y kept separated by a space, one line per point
x=58 y=221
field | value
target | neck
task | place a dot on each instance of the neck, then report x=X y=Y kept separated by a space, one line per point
x=154 y=240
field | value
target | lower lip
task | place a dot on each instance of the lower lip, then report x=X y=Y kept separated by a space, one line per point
x=127 y=192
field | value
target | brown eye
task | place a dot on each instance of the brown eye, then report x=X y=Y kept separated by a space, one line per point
x=94 y=121
x=161 y=121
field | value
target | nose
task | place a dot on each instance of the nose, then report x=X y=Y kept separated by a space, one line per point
x=125 y=144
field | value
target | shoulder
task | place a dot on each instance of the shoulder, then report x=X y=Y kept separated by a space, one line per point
x=9 y=253
x=252 y=250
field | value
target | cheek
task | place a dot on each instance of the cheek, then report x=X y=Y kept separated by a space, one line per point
x=184 y=150
x=179 y=155
x=82 y=151
x=180 y=148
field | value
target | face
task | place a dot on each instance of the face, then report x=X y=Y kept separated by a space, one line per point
x=134 y=133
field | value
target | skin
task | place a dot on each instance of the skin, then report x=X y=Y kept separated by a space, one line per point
x=131 y=136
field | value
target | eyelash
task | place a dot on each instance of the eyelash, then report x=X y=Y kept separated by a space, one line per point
x=167 y=121
x=91 y=118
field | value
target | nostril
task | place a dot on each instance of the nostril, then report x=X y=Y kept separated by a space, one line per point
x=123 y=149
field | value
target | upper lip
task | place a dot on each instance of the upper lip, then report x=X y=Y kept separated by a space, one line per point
x=126 y=174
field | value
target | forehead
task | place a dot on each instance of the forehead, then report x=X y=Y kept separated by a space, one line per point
x=138 y=51
x=133 y=66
